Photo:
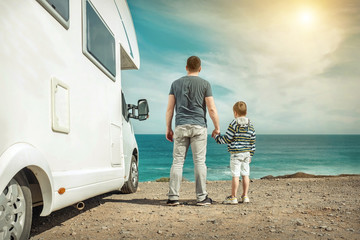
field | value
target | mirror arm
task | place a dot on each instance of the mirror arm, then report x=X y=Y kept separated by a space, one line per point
x=132 y=113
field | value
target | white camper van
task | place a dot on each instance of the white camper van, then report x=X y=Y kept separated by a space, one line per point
x=65 y=132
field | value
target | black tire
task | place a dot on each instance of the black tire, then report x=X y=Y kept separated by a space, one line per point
x=132 y=184
x=16 y=209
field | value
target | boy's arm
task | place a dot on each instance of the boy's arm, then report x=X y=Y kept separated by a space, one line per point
x=220 y=139
x=253 y=142
x=228 y=137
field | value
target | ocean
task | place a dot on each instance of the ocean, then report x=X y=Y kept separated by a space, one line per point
x=275 y=155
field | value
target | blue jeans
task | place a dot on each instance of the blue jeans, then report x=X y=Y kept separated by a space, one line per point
x=184 y=136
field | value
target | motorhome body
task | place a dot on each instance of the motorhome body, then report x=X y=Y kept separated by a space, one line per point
x=65 y=133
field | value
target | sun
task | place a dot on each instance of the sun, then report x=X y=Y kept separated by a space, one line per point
x=306 y=17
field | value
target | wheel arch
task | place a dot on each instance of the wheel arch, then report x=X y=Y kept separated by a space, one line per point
x=23 y=157
x=136 y=154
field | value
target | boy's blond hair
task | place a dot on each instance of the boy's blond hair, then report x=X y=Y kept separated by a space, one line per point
x=240 y=108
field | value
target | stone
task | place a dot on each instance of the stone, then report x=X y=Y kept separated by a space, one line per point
x=213 y=221
x=299 y=222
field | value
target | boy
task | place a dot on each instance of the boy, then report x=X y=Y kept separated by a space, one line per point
x=240 y=137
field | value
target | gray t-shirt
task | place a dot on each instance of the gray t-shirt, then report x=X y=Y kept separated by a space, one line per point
x=190 y=106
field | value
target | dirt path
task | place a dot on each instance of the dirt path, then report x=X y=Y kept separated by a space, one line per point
x=314 y=208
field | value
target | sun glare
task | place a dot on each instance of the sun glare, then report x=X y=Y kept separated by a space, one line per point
x=306 y=17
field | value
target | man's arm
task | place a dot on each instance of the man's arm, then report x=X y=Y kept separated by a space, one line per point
x=210 y=104
x=169 y=116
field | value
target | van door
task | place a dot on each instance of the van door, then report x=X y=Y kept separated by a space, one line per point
x=128 y=135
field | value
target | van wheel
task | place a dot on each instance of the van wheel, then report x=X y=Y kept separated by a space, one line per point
x=132 y=184
x=16 y=209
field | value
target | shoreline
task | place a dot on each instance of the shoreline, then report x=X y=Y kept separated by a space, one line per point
x=269 y=177
x=306 y=175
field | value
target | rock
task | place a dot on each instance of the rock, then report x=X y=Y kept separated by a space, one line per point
x=159 y=232
x=299 y=222
x=213 y=221
x=268 y=177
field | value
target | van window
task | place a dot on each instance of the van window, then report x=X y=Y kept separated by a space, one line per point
x=100 y=42
x=60 y=6
x=59 y=9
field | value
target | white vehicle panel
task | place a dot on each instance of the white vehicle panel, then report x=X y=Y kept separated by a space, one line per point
x=61 y=114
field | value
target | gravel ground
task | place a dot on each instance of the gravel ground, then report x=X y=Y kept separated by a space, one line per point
x=290 y=208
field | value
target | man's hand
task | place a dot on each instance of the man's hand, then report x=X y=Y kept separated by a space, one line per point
x=169 y=135
x=215 y=133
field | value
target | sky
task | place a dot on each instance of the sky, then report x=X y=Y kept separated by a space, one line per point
x=295 y=63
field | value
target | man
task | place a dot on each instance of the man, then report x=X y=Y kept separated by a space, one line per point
x=190 y=96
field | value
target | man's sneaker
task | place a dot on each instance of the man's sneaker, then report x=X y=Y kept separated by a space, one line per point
x=205 y=202
x=245 y=199
x=230 y=200
x=172 y=202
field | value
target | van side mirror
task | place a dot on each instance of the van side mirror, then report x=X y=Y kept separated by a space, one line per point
x=142 y=110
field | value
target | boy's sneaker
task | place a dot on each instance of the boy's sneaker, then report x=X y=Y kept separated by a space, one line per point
x=230 y=200
x=172 y=202
x=245 y=199
x=205 y=202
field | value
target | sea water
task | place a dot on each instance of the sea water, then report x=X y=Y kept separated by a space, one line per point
x=275 y=155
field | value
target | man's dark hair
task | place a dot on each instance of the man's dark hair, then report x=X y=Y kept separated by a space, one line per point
x=193 y=63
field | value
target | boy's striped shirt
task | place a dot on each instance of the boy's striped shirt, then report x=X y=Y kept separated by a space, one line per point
x=239 y=138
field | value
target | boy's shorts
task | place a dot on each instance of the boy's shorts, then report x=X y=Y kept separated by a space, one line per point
x=239 y=164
